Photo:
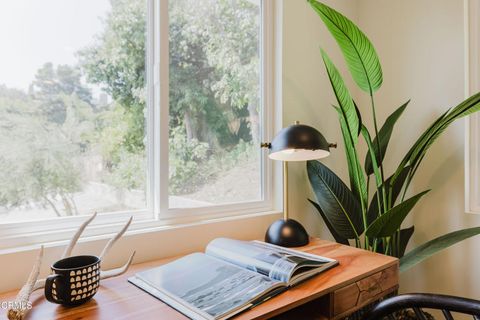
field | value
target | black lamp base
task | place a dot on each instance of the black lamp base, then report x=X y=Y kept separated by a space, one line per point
x=287 y=233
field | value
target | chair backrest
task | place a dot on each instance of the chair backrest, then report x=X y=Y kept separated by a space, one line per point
x=418 y=301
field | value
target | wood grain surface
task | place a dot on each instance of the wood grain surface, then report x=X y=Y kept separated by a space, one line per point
x=360 y=278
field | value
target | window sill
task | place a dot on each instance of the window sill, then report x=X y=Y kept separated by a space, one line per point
x=151 y=242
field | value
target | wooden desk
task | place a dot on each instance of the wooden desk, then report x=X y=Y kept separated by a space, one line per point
x=361 y=278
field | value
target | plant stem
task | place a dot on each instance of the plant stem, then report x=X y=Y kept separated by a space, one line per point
x=387 y=247
x=394 y=244
x=368 y=185
x=390 y=196
x=398 y=243
x=379 y=161
x=367 y=243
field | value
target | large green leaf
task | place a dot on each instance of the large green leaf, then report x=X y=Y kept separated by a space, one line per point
x=417 y=152
x=337 y=201
x=344 y=98
x=357 y=179
x=405 y=235
x=392 y=191
x=371 y=152
x=359 y=53
x=383 y=139
x=329 y=225
x=389 y=222
x=465 y=108
x=431 y=247
x=350 y=124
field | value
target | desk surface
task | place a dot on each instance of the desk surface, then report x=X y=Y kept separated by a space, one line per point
x=360 y=277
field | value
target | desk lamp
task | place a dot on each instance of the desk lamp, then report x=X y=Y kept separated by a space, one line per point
x=297 y=142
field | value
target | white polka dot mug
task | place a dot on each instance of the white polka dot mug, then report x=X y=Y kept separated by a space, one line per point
x=75 y=280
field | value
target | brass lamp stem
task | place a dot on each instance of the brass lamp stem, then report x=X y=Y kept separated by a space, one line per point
x=285 y=190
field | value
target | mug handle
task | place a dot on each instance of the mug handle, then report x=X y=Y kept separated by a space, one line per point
x=48 y=288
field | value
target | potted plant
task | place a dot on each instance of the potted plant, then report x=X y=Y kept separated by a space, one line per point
x=373 y=221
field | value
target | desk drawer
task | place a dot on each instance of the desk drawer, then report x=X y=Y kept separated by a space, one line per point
x=365 y=291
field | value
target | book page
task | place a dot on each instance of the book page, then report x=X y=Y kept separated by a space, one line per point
x=210 y=285
x=275 y=262
x=306 y=264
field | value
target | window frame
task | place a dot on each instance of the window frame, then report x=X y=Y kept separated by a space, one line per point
x=158 y=215
x=472 y=123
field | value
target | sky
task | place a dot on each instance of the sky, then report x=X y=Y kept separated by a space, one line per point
x=33 y=32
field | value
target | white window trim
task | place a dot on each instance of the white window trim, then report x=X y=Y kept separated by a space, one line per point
x=25 y=234
x=472 y=85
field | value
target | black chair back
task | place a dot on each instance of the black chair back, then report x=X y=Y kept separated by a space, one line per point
x=419 y=301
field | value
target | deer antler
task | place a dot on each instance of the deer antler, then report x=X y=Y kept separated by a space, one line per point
x=118 y=271
x=112 y=241
x=40 y=284
x=76 y=236
x=20 y=306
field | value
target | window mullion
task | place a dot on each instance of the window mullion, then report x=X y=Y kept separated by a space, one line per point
x=162 y=102
x=152 y=170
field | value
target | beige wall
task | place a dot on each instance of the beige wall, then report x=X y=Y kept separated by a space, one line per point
x=421 y=46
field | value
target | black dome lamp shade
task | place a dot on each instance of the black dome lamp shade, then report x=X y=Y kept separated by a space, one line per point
x=297 y=142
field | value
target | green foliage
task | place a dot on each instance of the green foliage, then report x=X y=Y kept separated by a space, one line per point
x=383 y=139
x=117 y=62
x=191 y=165
x=117 y=58
x=340 y=207
x=405 y=235
x=330 y=227
x=128 y=171
x=359 y=53
x=185 y=161
x=41 y=149
x=350 y=127
x=382 y=219
x=344 y=99
x=417 y=152
x=122 y=159
x=431 y=247
x=389 y=222
x=371 y=152
x=392 y=190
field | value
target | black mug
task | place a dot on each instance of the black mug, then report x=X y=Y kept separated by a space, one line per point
x=75 y=280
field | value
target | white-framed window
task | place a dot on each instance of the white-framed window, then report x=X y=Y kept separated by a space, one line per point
x=151 y=108
x=472 y=145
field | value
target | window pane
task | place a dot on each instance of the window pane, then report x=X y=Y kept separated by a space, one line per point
x=214 y=102
x=72 y=105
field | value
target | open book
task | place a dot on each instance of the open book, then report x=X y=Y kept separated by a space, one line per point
x=230 y=277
